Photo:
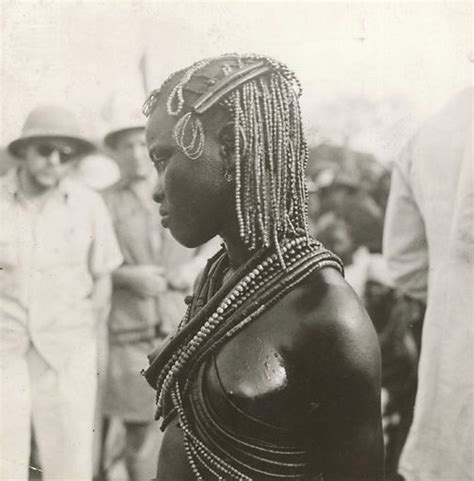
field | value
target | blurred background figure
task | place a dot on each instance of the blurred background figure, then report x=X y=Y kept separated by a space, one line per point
x=428 y=243
x=147 y=303
x=360 y=265
x=134 y=323
x=346 y=195
x=58 y=249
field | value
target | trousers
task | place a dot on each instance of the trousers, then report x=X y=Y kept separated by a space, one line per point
x=137 y=444
x=58 y=403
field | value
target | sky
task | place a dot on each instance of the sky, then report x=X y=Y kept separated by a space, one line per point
x=371 y=71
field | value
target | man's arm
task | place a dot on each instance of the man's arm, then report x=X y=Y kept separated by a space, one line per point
x=183 y=277
x=104 y=256
x=143 y=280
x=404 y=245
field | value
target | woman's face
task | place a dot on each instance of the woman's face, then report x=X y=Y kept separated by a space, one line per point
x=196 y=203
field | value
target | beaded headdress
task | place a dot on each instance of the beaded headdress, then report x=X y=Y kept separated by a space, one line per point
x=261 y=96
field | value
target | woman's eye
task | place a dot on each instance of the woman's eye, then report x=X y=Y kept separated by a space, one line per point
x=159 y=162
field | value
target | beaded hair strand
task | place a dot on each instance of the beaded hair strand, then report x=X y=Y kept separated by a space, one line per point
x=261 y=95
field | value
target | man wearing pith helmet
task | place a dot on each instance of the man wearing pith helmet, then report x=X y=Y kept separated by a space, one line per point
x=148 y=294
x=58 y=249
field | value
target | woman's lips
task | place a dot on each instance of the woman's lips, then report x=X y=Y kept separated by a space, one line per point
x=164 y=220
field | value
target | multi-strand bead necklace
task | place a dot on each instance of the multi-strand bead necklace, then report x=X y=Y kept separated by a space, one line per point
x=251 y=291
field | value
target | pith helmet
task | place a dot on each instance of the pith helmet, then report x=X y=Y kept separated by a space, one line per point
x=51 y=122
x=122 y=113
x=112 y=136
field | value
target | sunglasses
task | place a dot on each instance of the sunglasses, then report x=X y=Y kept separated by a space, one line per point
x=66 y=153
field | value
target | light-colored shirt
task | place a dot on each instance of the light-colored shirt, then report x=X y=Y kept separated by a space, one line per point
x=49 y=258
x=366 y=267
x=429 y=246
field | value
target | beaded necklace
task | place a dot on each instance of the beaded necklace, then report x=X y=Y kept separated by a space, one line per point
x=250 y=291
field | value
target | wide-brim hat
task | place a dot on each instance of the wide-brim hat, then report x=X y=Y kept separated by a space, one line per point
x=51 y=122
x=110 y=139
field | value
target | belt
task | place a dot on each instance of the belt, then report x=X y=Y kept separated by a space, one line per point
x=135 y=336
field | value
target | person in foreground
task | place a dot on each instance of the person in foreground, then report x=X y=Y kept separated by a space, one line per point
x=274 y=372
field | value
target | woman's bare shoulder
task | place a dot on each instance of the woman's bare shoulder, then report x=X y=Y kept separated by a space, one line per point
x=335 y=329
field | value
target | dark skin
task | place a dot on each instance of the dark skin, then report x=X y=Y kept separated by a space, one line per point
x=311 y=362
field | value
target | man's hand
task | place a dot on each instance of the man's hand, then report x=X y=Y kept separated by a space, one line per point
x=178 y=279
x=148 y=280
x=145 y=280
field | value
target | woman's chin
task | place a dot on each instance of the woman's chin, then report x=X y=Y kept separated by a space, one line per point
x=188 y=239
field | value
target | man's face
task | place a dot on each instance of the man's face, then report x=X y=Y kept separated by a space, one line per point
x=196 y=201
x=132 y=156
x=47 y=161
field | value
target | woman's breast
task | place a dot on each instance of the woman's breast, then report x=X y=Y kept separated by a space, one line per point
x=254 y=387
x=243 y=409
x=247 y=404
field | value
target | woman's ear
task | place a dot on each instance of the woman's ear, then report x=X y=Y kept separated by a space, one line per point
x=227 y=148
x=227 y=142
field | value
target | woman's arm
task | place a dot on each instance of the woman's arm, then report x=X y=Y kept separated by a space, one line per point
x=345 y=435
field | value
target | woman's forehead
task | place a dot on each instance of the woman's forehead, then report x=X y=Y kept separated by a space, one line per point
x=159 y=128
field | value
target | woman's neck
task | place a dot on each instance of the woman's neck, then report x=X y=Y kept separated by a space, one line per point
x=237 y=250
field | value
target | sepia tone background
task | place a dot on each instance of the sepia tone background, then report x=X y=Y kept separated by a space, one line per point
x=371 y=70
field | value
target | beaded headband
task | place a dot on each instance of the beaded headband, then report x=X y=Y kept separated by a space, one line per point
x=227 y=84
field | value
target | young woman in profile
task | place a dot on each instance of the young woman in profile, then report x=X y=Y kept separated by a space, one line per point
x=274 y=372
